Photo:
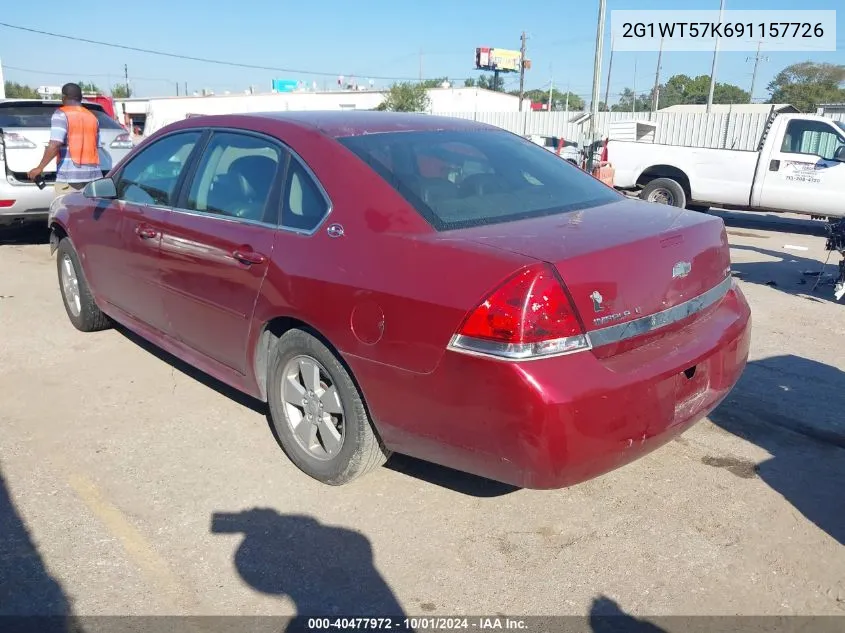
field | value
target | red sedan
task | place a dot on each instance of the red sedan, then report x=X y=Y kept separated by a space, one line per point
x=430 y=286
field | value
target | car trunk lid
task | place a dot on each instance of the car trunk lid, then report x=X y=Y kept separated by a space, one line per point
x=621 y=261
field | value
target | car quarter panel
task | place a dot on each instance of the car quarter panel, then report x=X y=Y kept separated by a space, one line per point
x=559 y=421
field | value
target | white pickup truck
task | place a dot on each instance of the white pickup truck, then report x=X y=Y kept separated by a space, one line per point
x=798 y=167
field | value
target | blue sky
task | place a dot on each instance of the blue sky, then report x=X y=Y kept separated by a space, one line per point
x=367 y=38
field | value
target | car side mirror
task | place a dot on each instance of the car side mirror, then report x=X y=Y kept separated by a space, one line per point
x=840 y=154
x=102 y=188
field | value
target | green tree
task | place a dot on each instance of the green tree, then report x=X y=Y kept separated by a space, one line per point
x=89 y=88
x=434 y=83
x=121 y=91
x=629 y=102
x=685 y=90
x=806 y=85
x=406 y=97
x=488 y=82
x=469 y=83
x=14 y=90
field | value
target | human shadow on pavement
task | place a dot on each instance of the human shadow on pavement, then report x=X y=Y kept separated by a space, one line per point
x=26 y=587
x=787 y=273
x=794 y=408
x=606 y=616
x=325 y=570
x=454 y=480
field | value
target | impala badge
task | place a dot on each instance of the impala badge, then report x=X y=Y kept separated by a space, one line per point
x=597 y=301
x=681 y=270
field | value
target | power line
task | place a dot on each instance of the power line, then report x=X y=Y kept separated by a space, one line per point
x=86 y=75
x=190 y=57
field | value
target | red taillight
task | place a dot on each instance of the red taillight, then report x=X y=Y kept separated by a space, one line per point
x=528 y=316
x=5 y=204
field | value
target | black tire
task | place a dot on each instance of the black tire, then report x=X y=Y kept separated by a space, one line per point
x=700 y=208
x=360 y=450
x=88 y=318
x=671 y=189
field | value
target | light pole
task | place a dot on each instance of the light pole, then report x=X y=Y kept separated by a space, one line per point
x=713 y=67
x=596 y=80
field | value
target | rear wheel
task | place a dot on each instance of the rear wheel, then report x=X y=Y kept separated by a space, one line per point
x=665 y=191
x=318 y=413
x=79 y=302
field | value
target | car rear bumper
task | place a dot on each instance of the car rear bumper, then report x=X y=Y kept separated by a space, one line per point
x=559 y=421
x=28 y=203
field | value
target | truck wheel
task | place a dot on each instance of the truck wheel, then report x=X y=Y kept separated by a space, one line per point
x=664 y=191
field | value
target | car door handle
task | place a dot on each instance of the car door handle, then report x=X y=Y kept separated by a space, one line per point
x=248 y=257
x=146 y=232
x=774 y=165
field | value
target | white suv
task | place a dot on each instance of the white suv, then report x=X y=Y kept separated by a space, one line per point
x=24 y=133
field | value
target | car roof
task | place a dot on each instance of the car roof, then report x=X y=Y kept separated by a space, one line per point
x=356 y=123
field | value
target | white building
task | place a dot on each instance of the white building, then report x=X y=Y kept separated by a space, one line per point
x=154 y=113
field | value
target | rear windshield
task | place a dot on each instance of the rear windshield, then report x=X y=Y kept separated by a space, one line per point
x=38 y=115
x=463 y=179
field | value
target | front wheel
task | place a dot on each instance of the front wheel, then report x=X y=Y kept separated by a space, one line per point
x=665 y=191
x=318 y=413
x=79 y=302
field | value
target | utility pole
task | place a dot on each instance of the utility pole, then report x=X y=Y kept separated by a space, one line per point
x=551 y=86
x=757 y=59
x=609 y=69
x=634 y=100
x=521 y=70
x=421 y=63
x=596 y=80
x=126 y=78
x=713 y=67
x=656 y=96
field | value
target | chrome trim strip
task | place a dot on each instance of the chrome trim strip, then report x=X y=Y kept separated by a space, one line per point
x=518 y=351
x=644 y=325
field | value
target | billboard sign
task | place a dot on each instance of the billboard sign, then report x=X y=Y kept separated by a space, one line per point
x=500 y=59
x=284 y=85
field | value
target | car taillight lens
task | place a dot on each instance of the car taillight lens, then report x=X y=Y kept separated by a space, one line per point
x=122 y=141
x=529 y=316
x=15 y=141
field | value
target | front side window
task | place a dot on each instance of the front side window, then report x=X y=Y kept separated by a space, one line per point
x=235 y=177
x=151 y=176
x=816 y=138
x=472 y=178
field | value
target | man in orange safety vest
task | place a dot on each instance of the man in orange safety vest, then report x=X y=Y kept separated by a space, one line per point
x=75 y=140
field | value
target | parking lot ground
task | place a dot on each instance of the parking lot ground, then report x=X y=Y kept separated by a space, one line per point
x=131 y=485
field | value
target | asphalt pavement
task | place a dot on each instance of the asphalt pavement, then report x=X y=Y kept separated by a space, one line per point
x=131 y=485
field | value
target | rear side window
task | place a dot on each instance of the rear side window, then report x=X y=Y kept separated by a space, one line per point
x=305 y=206
x=38 y=115
x=463 y=179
